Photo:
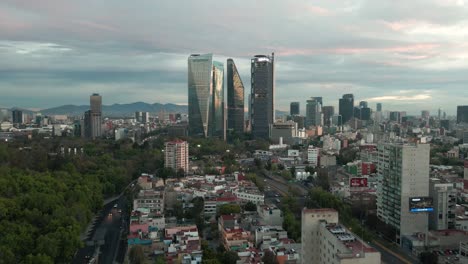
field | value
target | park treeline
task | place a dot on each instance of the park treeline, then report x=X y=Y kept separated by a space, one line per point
x=48 y=196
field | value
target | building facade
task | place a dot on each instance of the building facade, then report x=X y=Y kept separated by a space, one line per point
x=324 y=240
x=262 y=107
x=328 y=112
x=235 y=98
x=294 y=108
x=403 y=173
x=314 y=116
x=346 y=107
x=462 y=114
x=313 y=156
x=93 y=118
x=444 y=198
x=176 y=155
x=286 y=130
x=205 y=96
x=17 y=117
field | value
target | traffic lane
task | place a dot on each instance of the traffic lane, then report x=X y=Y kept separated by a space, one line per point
x=388 y=257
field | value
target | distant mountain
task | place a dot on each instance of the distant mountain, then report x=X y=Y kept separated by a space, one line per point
x=116 y=110
x=120 y=110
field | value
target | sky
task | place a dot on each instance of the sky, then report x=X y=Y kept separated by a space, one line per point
x=408 y=55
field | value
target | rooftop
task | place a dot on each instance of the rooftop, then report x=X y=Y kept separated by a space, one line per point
x=356 y=246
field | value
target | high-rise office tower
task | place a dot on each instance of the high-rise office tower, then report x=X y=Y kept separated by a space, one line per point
x=328 y=112
x=17 y=116
x=403 y=173
x=439 y=113
x=346 y=107
x=395 y=116
x=206 y=96
x=176 y=155
x=363 y=104
x=462 y=114
x=425 y=114
x=138 y=116
x=366 y=113
x=314 y=116
x=294 y=108
x=235 y=98
x=95 y=116
x=379 y=107
x=145 y=117
x=262 y=95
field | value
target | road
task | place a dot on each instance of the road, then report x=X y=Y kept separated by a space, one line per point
x=108 y=226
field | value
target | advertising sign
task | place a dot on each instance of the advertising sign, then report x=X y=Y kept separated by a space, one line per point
x=358 y=182
x=421 y=204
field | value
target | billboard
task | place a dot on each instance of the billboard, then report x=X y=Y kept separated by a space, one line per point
x=293 y=153
x=358 y=182
x=421 y=204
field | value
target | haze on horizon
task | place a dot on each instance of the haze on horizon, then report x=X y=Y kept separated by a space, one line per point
x=56 y=52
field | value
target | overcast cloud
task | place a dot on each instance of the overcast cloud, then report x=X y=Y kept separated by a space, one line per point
x=409 y=55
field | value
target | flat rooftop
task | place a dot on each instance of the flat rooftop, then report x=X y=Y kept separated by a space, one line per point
x=355 y=246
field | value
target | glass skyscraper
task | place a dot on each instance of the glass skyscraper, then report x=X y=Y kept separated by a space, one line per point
x=235 y=100
x=206 y=96
x=346 y=107
x=262 y=95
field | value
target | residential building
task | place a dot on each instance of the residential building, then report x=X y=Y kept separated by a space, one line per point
x=294 y=108
x=176 y=155
x=262 y=97
x=324 y=240
x=444 y=198
x=269 y=233
x=270 y=215
x=235 y=98
x=206 y=96
x=403 y=172
x=313 y=156
x=462 y=114
x=150 y=199
x=395 y=116
x=346 y=107
x=463 y=252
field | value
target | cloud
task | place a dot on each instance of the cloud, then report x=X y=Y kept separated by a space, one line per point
x=60 y=51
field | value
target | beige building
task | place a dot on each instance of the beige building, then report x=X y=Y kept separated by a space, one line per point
x=324 y=240
x=176 y=155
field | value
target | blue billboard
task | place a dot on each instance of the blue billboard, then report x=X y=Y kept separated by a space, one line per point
x=421 y=204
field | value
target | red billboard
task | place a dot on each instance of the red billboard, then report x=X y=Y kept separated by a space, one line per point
x=358 y=182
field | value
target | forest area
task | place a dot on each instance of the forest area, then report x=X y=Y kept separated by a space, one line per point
x=47 y=196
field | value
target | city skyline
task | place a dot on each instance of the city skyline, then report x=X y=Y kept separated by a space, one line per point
x=61 y=52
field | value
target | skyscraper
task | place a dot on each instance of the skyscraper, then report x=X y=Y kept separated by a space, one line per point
x=379 y=107
x=363 y=104
x=328 y=112
x=262 y=95
x=294 y=108
x=206 y=96
x=235 y=98
x=95 y=115
x=17 y=116
x=403 y=173
x=462 y=114
x=346 y=107
x=314 y=116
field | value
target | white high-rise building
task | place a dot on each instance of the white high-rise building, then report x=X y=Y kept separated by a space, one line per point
x=312 y=155
x=324 y=240
x=176 y=155
x=403 y=171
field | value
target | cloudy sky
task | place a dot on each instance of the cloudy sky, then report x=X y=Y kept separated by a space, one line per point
x=409 y=55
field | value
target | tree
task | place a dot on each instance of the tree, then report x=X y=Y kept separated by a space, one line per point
x=180 y=173
x=249 y=206
x=160 y=260
x=136 y=255
x=226 y=209
x=269 y=258
x=229 y=257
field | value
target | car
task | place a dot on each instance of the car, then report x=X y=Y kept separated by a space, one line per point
x=115 y=205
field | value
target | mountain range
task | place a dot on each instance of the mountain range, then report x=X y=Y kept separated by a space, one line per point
x=121 y=110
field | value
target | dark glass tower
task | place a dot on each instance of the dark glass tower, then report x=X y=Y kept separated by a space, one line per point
x=294 y=108
x=462 y=114
x=379 y=107
x=235 y=100
x=328 y=112
x=262 y=95
x=346 y=107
